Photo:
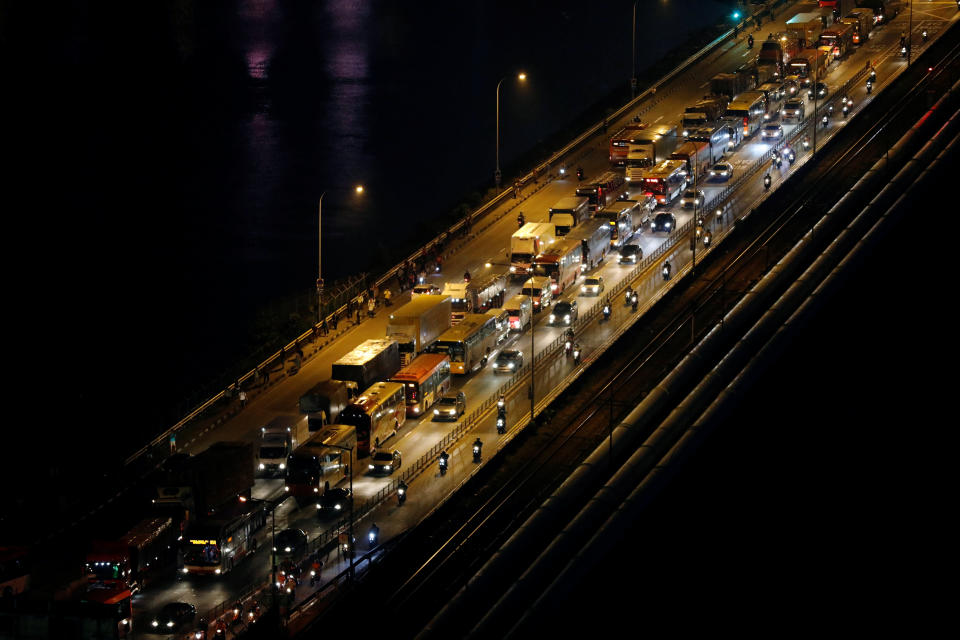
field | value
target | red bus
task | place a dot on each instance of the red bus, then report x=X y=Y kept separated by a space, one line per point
x=665 y=181
x=377 y=414
x=621 y=141
x=561 y=263
x=424 y=381
x=111 y=602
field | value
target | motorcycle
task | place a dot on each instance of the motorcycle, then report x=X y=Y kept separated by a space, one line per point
x=576 y=355
x=707 y=239
x=567 y=348
x=373 y=536
x=791 y=156
x=749 y=42
x=845 y=110
x=501 y=402
x=869 y=87
x=766 y=181
x=629 y=297
x=719 y=213
x=873 y=76
x=634 y=300
x=401 y=493
x=806 y=143
x=903 y=51
x=466 y=276
x=666 y=270
x=579 y=173
x=477 y=450
x=823 y=121
x=520 y=221
x=501 y=425
x=443 y=462
x=923 y=35
x=606 y=312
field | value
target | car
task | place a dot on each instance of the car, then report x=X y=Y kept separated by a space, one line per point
x=426 y=289
x=692 y=198
x=792 y=86
x=173 y=617
x=722 y=171
x=793 y=109
x=592 y=286
x=772 y=132
x=630 y=254
x=508 y=361
x=564 y=313
x=821 y=89
x=450 y=406
x=664 y=222
x=385 y=462
x=290 y=542
x=335 y=500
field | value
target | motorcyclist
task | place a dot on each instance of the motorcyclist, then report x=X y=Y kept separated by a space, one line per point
x=520 y=220
x=873 y=75
x=903 y=39
x=401 y=491
x=606 y=311
x=749 y=41
x=666 y=269
x=869 y=87
x=501 y=401
x=477 y=448
x=629 y=295
x=374 y=535
x=579 y=173
x=443 y=458
x=576 y=353
x=806 y=142
x=823 y=121
x=466 y=276
x=766 y=181
x=569 y=333
x=634 y=300
x=923 y=34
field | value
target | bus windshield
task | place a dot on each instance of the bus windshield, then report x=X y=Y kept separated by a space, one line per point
x=521 y=257
x=452 y=349
x=202 y=552
x=533 y=292
x=550 y=270
x=301 y=469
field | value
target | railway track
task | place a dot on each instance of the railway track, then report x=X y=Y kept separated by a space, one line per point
x=438 y=557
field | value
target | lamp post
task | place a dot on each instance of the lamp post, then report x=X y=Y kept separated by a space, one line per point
x=633 y=53
x=496 y=176
x=350 y=530
x=910 y=35
x=320 y=259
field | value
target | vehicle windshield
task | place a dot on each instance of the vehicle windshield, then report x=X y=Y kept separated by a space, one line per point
x=383 y=456
x=508 y=355
x=562 y=307
x=104 y=571
x=201 y=554
x=447 y=400
x=664 y=218
x=271 y=453
x=794 y=104
x=591 y=282
x=520 y=257
x=629 y=249
x=549 y=270
x=452 y=349
x=719 y=167
x=773 y=128
x=302 y=469
x=532 y=292
x=287 y=538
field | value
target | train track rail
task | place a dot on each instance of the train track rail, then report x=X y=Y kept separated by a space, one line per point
x=438 y=557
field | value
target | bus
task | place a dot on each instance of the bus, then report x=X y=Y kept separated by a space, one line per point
x=568 y=213
x=627 y=217
x=561 y=263
x=749 y=108
x=321 y=460
x=594 y=238
x=14 y=571
x=377 y=414
x=469 y=343
x=621 y=142
x=108 y=602
x=424 y=380
x=213 y=545
x=605 y=189
x=135 y=557
x=665 y=181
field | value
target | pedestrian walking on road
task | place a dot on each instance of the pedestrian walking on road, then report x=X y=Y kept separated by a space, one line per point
x=335 y=320
x=323 y=327
x=243 y=399
x=371 y=307
x=386 y=297
x=358 y=314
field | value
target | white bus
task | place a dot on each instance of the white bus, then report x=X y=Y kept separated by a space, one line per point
x=749 y=108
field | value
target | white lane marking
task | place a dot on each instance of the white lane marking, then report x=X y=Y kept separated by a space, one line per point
x=658 y=119
x=705 y=84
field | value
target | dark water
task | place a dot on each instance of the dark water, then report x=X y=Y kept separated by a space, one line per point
x=168 y=158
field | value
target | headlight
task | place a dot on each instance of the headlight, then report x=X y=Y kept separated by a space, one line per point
x=513 y=269
x=283 y=465
x=262 y=466
x=667 y=225
x=337 y=507
x=316 y=490
x=286 y=488
x=185 y=570
x=286 y=549
x=510 y=365
x=371 y=466
x=155 y=623
x=217 y=571
x=566 y=318
x=436 y=412
x=552 y=317
x=170 y=623
x=388 y=467
x=583 y=287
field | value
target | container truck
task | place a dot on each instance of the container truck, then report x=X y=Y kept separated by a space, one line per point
x=657 y=145
x=527 y=242
x=883 y=10
x=193 y=486
x=837 y=40
x=698 y=156
x=278 y=438
x=805 y=27
x=484 y=292
x=865 y=23
x=323 y=403
x=569 y=212
x=418 y=323
x=372 y=361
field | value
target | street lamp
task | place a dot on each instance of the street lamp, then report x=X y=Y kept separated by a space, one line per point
x=633 y=53
x=521 y=76
x=320 y=259
x=352 y=550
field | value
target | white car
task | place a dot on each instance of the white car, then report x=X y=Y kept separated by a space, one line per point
x=722 y=171
x=592 y=286
x=771 y=131
x=692 y=198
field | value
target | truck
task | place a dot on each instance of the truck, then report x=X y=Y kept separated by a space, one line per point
x=620 y=142
x=371 y=361
x=656 y=145
x=864 y=24
x=527 y=242
x=729 y=84
x=704 y=113
x=808 y=64
x=698 y=156
x=837 y=40
x=278 y=439
x=418 y=323
x=484 y=292
x=193 y=486
x=805 y=27
x=883 y=10
x=324 y=401
x=136 y=557
x=569 y=212
x=602 y=191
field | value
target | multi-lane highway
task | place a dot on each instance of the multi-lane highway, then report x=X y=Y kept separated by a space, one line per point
x=490 y=244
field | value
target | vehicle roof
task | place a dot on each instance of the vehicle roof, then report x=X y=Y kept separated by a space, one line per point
x=365 y=351
x=565 y=303
x=420 y=365
x=417 y=306
x=536 y=281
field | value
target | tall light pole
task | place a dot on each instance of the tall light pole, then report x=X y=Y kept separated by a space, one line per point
x=320 y=259
x=910 y=35
x=352 y=550
x=633 y=53
x=496 y=176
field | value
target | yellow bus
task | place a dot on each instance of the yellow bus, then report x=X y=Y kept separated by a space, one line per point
x=469 y=343
x=377 y=414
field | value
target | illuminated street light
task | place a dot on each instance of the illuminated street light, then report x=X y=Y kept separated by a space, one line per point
x=521 y=77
